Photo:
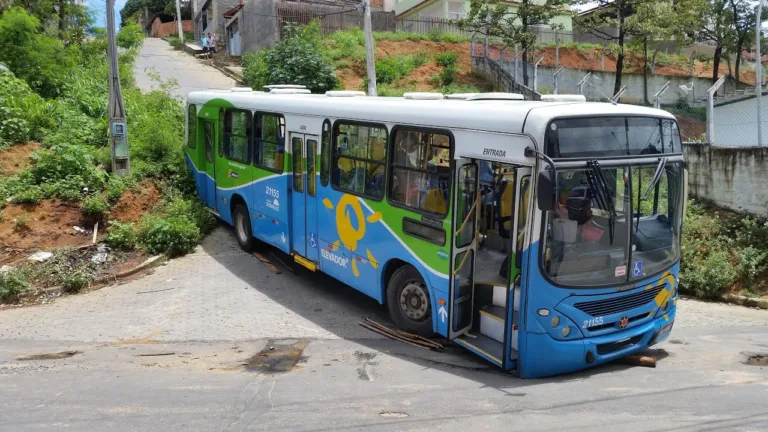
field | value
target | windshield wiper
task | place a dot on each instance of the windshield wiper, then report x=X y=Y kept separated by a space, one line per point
x=605 y=196
x=656 y=177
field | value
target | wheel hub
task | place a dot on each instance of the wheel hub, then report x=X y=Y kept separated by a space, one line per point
x=240 y=224
x=414 y=301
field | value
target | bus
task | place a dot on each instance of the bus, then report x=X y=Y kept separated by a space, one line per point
x=543 y=236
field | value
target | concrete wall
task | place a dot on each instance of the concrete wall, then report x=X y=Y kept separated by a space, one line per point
x=602 y=83
x=736 y=178
x=735 y=123
x=259 y=31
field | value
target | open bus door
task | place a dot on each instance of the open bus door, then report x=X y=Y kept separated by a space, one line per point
x=465 y=199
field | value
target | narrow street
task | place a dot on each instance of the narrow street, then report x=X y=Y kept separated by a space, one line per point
x=216 y=341
x=191 y=74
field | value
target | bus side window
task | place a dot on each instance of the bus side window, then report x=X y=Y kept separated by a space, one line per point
x=270 y=141
x=359 y=156
x=237 y=135
x=420 y=173
x=192 y=126
x=325 y=157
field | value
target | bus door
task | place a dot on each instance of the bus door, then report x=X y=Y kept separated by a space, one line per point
x=208 y=192
x=303 y=201
x=466 y=201
x=520 y=228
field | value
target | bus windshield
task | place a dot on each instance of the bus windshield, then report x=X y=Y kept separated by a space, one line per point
x=613 y=232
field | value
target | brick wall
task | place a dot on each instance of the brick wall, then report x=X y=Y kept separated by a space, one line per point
x=161 y=29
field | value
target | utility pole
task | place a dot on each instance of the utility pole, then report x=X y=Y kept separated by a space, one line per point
x=178 y=21
x=118 y=131
x=369 y=59
x=759 y=72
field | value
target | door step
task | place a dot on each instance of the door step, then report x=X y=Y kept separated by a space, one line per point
x=213 y=212
x=490 y=349
x=493 y=322
x=500 y=296
x=305 y=262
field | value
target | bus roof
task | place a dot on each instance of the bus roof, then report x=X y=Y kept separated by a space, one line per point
x=505 y=116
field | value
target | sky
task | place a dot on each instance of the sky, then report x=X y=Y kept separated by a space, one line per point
x=99 y=11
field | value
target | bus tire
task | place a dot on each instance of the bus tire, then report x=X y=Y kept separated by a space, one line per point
x=241 y=222
x=408 y=301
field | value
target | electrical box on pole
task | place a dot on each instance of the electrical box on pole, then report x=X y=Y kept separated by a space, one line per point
x=118 y=128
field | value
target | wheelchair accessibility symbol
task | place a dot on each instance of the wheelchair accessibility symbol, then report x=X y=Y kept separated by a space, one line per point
x=637 y=268
x=312 y=242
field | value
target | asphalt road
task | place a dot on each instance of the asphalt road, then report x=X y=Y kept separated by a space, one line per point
x=210 y=312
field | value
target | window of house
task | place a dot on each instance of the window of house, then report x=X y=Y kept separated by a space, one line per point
x=421 y=170
x=359 y=158
x=325 y=156
x=237 y=135
x=192 y=126
x=270 y=141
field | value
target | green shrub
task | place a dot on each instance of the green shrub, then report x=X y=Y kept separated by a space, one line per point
x=13 y=127
x=390 y=69
x=29 y=195
x=116 y=187
x=178 y=205
x=130 y=36
x=173 y=236
x=349 y=44
x=95 y=205
x=448 y=75
x=65 y=171
x=298 y=59
x=12 y=286
x=447 y=58
x=76 y=280
x=121 y=235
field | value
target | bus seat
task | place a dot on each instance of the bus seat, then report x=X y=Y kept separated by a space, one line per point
x=434 y=202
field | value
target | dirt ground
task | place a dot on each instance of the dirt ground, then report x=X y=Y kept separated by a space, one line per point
x=50 y=224
x=352 y=76
x=15 y=158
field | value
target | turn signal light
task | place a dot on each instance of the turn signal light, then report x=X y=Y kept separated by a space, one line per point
x=543 y=312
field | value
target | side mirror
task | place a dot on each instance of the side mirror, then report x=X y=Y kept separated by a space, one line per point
x=545 y=194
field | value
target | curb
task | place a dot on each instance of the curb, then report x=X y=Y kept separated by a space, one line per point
x=745 y=301
x=238 y=79
x=149 y=263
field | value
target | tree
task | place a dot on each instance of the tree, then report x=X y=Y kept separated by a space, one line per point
x=514 y=23
x=656 y=20
x=40 y=60
x=132 y=7
x=718 y=19
x=743 y=15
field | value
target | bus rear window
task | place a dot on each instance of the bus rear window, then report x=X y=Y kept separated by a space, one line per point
x=611 y=136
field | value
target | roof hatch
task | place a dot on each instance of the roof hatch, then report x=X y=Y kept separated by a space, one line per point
x=563 y=98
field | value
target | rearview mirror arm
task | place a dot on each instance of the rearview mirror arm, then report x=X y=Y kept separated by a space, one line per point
x=529 y=152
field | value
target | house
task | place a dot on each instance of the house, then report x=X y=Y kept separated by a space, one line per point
x=457 y=9
x=207 y=18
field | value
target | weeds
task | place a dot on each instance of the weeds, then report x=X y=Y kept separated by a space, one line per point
x=12 y=286
x=21 y=222
x=121 y=235
x=95 y=205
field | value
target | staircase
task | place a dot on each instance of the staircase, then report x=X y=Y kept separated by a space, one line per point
x=493 y=321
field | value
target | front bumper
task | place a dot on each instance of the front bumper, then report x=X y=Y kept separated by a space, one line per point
x=547 y=356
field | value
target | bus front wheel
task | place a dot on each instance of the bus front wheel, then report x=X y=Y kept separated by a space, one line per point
x=408 y=301
x=242 y=224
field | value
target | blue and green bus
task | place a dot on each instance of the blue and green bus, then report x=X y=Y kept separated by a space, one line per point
x=543 y=236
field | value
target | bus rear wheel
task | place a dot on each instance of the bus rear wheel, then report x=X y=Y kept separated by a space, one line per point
x=408 y=301
x=241 y=221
